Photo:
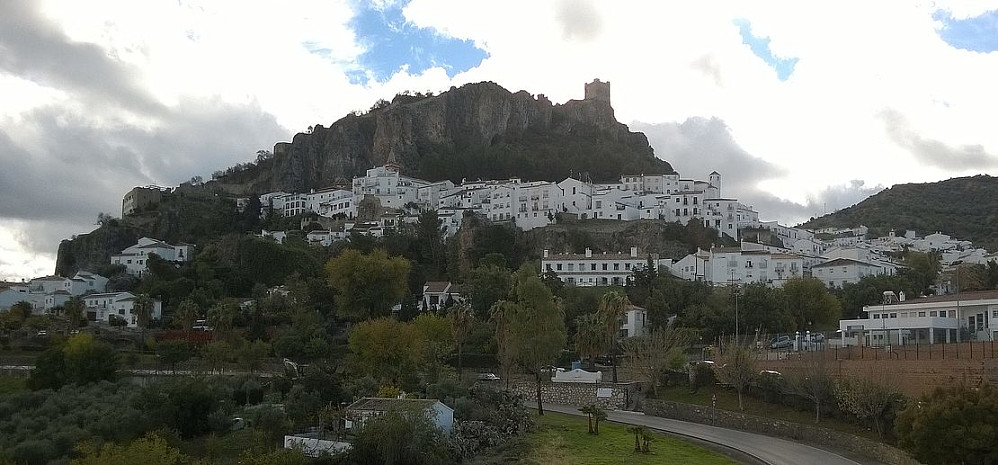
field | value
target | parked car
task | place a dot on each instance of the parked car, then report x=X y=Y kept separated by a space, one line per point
x=781 y=342
x=488 y=377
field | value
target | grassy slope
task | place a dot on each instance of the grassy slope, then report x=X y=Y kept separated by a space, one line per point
x=563 y=439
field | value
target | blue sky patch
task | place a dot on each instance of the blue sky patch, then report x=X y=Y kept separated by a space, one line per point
x=784 y=67
x=391 y=43
x=977 y=34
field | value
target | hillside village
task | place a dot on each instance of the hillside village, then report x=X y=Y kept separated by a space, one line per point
x=315 y=314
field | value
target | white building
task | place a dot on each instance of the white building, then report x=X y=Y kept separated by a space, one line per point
x=390 y=187
x=595 y=269
x=436 y=294
x=633 y=323
x=136 y=257
x=439 y=414
x=927 y=320
x=746 y=264
x=48 y=292
x=104 y=307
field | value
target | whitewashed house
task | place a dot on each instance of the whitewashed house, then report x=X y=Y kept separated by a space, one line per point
x=104 y=307
x=436 y=294
x=598 y=269
x=136 y=258
x=838 y=272
x=439 y=414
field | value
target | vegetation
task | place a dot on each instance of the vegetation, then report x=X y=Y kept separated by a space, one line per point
x=562 y=439
x=737 y=367
x=960 y=207
x=952 y=425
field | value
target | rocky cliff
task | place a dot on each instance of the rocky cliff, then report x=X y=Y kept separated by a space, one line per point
x=476 y=131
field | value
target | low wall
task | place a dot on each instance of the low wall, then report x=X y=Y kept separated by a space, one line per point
x=813 y=435
x=315 y=447
x=607 y=395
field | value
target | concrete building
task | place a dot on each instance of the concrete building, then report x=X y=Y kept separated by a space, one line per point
x=141 y=198
x=838 y=272
x=747 y=264
x=927 y=320
x=135 y=258
x=103 y=307
x=598 y=269
x=439 y=414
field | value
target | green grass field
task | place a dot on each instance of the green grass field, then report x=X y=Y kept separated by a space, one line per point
x=564 y=440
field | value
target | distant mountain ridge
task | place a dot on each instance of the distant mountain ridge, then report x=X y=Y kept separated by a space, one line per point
x=965 y=208
x=475 y=131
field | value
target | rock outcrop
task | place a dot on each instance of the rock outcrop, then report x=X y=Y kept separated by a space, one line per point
x=526 y=136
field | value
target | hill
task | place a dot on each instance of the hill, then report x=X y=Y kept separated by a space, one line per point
x=965 y=208
x=476 y=131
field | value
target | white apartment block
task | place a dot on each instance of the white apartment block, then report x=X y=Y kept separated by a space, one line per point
x=838 y=272
x=386 y=184
x=49 y=292
x=740 y=265
x=595 y=269
x=926 y=320
x=103 y=307
x=136 y=258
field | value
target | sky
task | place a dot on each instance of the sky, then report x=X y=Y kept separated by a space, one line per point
x=803 y=107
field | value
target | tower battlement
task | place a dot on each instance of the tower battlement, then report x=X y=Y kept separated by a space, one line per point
x=598 y=90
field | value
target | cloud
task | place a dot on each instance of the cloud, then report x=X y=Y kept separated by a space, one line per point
x=579 y=19
x=34 y=48
x=933 y=152
x=700 y=145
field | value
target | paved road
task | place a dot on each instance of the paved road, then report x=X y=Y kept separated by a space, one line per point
x=770 y=450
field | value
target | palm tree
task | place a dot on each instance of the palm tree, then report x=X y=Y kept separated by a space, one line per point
x=462 y=320
x=143 y=308
x=612 y=305
x=74 y=309
x=589 y=337
x=186 y=315
x=220 y=318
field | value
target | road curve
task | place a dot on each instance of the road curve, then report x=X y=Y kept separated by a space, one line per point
x=773 y=451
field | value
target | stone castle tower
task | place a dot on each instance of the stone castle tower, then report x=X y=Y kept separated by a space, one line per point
x=598 y=90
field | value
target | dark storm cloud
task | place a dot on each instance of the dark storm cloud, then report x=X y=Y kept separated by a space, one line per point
x=34 y=48
x=933 y=152
x=579 y=19
x=698 y=146
x=62 y=167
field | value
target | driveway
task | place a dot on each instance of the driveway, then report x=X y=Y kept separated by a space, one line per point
x=773 y=451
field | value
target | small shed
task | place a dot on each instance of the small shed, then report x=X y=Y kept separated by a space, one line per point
x=367 y=407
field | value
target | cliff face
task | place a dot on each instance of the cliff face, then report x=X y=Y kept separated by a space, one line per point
x=522 y=132
x=93 y=251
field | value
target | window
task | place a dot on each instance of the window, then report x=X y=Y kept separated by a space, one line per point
x=876 y=316
x=592 y=267
x=616 y=267
x=932 y=313
x=894 y=315
x=921 y=314
x=559 y=266
x=604 y=267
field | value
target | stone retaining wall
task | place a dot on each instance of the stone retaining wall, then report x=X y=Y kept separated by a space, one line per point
x=813 y=435
x=607 y=395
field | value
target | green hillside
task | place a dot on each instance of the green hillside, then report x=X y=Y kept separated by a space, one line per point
x=965 y=208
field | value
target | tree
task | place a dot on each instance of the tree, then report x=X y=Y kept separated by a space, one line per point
x=143 y=308
x=186 y=315
x=173 y=352
x=74 y=309
x=400 y=437
x=438 y=339
x=215 y=354
x=251 y=354
x=810 y=303
x=812 y=382
x=487 y=285
x=873 y=398
x=385 y=348
x=88 y=361
x=612 y=306
x=534 y=326
x=737 y=367
x=589 y=337
x=654 y=353
x=367 y=285
x=462 y=321
x=952 y=425
x=149 y=450
x=49 y=371
x=595 y=414
x=220 y=318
